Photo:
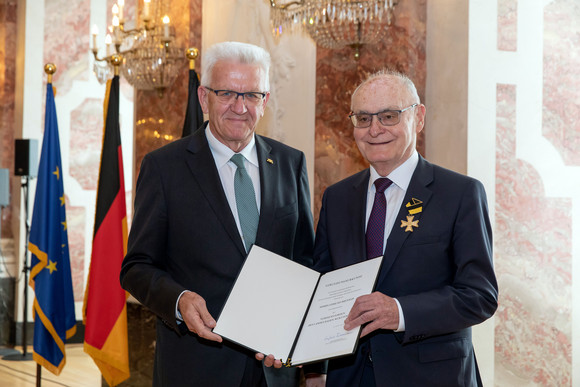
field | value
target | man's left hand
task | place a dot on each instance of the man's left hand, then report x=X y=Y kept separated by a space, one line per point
x=269 y=360
x=378 y=310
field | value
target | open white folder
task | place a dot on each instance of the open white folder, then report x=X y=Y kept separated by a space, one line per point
x=279 y=307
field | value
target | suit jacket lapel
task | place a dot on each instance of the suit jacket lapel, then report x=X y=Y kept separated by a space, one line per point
x=202 y=165
x=268 y=177
x=417 y=189
x=357 y=212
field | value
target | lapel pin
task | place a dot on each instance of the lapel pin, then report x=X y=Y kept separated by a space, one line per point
x=414 y=206
x=270 y=161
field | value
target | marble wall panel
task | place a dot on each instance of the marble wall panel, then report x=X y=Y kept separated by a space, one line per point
x=533 y=233
x=8 y=9
x=561 y=108
x=86 y=140
x=66 y=40
x=338 y=74
x=76 y=221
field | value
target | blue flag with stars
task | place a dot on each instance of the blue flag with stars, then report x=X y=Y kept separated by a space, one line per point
x=50 y=274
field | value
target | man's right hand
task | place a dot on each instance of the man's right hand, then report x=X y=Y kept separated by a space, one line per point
x=196 y=316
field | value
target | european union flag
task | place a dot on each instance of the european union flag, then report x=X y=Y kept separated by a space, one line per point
x=50 y=276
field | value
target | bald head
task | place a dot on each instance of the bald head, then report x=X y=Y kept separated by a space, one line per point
x=391 y=78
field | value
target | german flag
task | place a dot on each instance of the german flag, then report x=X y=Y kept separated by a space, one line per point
x=105 y=307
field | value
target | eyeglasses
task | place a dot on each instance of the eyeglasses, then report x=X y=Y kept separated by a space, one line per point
x=386 y=117
x=251 y=98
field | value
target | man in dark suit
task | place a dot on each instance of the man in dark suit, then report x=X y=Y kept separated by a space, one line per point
x=437 y=278
x=192 y=228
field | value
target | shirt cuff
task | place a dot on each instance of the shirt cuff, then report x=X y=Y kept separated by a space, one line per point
x=178 y=316
x=401 y=327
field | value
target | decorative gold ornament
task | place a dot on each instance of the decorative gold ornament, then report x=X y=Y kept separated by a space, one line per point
x=409 y=224
x=415 y=206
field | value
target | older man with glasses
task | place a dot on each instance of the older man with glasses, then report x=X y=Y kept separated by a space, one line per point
x=201 y=203
x=431 y=225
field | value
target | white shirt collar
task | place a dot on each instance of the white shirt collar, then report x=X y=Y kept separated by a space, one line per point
x=401 y=176
x=222 y=154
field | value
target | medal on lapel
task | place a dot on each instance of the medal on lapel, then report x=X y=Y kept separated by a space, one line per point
x=414 y=207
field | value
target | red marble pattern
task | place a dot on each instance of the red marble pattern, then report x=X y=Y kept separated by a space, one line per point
x=86 y=134
x=8 y=10
x=66 y=40
x=507 y=25
x=338 y=74
x=561 y=109
x=533 y=257
x=76 y=220
x=159 y=121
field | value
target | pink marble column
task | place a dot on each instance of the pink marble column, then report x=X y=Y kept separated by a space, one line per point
x=8 y=10
x=159 y=121
x=338 y=74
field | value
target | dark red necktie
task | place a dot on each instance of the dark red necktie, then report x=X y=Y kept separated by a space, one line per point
x=376 y=224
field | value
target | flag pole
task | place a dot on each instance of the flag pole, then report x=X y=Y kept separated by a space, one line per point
x=193 y=113
x=49 y=69
x=116 y=61
x=105 y=307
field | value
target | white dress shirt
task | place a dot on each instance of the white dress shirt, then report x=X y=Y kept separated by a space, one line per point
x=395 y=194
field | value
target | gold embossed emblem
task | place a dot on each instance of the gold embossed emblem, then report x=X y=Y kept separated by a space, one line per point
x=414 y=206
x=409 y=224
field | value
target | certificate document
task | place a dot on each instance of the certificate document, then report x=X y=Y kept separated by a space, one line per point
x=280 y=307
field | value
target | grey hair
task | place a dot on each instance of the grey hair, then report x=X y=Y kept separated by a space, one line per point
x=235 y=52
x=385 y=73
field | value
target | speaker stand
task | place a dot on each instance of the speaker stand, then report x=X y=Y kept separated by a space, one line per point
x=25 y=268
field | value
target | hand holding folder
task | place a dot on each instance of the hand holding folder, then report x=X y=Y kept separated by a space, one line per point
x=302 y=320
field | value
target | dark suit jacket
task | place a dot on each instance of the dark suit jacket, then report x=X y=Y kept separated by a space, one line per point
x=184 y=237
x=441 y=273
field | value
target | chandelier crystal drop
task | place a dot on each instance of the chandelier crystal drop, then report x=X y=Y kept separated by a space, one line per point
x=150 y=64
x=334 y=24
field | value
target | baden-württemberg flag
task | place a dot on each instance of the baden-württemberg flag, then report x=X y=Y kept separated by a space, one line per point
x=193 y=113
x=50 y=275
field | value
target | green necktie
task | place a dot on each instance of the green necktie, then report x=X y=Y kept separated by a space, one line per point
x=245 y=201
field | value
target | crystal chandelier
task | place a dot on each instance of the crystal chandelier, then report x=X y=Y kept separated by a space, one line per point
x=335 y=23
x=150 y=59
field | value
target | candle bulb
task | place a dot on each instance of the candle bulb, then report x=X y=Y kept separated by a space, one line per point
x=95 y=32
x=121 y=4
x=108 y=42
x=146 y=8
x=115 y=23
x=115 y=10
x=166 y=27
